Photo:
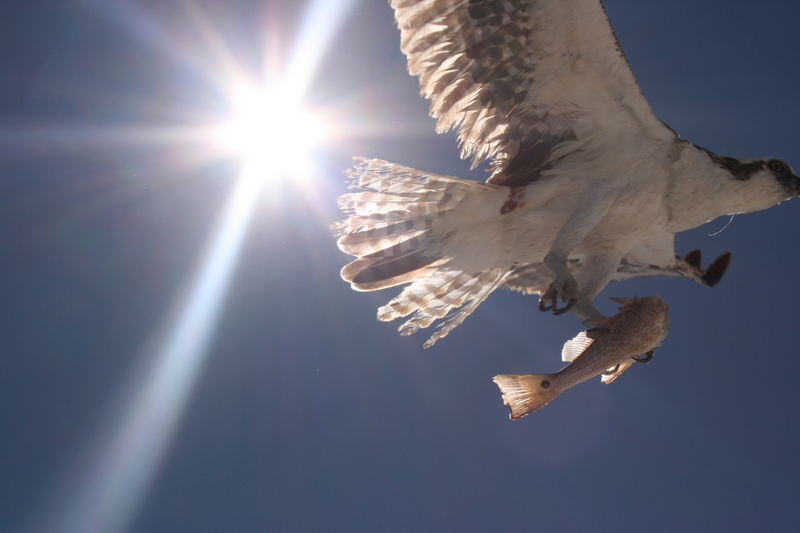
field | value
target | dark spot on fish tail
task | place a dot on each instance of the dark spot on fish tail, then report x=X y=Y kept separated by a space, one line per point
x=545 y=383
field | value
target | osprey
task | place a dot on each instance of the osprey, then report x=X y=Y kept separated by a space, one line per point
x=587 y=185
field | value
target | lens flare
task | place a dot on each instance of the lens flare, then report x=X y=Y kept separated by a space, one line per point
x=272 y=131
x=274 y=136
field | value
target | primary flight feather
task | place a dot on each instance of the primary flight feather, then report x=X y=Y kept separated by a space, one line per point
x=587 y=185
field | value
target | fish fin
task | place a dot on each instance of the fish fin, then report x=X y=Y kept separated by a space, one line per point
x=576 y=346
x=617 y=372
x=525 y=393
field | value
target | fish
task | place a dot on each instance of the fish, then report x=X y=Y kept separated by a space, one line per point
x=608 y=348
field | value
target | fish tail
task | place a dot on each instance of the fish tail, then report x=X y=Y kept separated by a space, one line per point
x=525 y=393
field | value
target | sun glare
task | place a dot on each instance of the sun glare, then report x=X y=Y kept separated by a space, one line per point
x=272 y=132
x=275 y=138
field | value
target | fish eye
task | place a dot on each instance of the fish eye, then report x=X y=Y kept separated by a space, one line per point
x=777 y=166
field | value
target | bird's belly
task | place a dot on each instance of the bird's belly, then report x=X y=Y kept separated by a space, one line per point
x=530 y=235
x=634 y=216
x=523 y=234
x=503 y=242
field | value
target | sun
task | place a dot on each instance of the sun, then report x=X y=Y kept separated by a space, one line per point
x=273 y=133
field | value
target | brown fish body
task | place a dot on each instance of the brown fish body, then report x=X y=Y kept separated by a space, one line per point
x=639 y=327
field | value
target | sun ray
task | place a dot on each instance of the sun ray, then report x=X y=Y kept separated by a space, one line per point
x=131 y=450
x=272 y=141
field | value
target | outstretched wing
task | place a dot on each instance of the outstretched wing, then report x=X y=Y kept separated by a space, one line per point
x=524 y=81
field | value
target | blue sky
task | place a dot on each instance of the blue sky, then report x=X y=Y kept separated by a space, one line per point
x=305 y=413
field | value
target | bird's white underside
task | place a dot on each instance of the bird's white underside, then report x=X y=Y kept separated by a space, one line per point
x=615 y=183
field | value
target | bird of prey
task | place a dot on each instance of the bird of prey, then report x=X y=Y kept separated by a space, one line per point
x=586 y=184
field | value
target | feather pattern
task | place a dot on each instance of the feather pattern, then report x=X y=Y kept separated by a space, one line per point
x=521 y=80
x=394 y=232
x=438 y=295
x=483 y=286
x=587 y=185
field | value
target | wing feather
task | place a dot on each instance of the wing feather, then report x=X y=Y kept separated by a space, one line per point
x=522 y=80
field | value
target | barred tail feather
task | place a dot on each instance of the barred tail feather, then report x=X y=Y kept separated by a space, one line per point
x=420 y=294
x=377 y=271
x=438 y=295
x=371 y=240
x=483 y=287
x=391 y=178
x=395 y=231
x=525 y=393
x=391 y=222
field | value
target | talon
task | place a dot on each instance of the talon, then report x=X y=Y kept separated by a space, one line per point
x=559 y=290
x=611 y=371
x=566 y=308
x=549 y=300
x=644 y=358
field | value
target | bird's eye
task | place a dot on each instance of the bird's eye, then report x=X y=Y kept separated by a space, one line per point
x=777 y=166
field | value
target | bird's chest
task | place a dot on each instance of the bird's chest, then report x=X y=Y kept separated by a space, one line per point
x=635 y=212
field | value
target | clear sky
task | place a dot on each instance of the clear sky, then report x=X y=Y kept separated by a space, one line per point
x=295 y=410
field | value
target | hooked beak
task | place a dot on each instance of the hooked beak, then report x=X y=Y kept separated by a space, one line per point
x=794 y=180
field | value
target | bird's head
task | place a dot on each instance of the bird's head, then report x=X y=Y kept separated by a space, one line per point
x=783 y=173
x=754 y=184
x=770 y=174
x=762 y=182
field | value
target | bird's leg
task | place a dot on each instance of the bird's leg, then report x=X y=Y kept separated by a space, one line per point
x=564 y=287
x=595 y=274
x=572 y=234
